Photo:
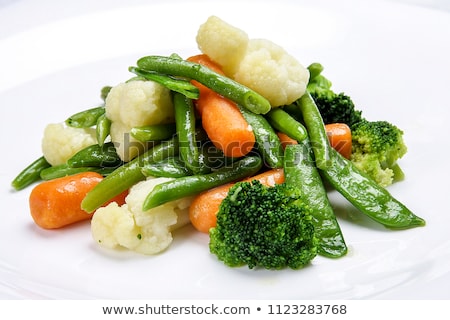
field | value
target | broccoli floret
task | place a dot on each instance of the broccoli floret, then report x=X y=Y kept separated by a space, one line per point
x=376 y=147
x=269 y=227
x=334 y=107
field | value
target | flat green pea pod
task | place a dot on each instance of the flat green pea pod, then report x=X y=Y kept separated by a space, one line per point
x=284 y=122
x=64 y=170
x=301 y=172
x=125 y=176
x=223 y=85
x=267 y=141
x=30 y=174
x=102 y=129
x=316 y=131
x=96 y=156
x=86 y=118
x=172 y=167
x=192 y=185
x=367 y=196
x=154 y=132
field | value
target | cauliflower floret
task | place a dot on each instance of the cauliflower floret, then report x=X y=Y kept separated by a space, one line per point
x=146 y=232
x=256 y=63
x=223 y=43
x=269 y=70
x=61 y=142
x=134 y=104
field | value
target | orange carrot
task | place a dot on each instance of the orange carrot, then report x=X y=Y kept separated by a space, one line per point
x=57 y=203
x=204 y=207
x=221 y=118
x=285 y=140
x=340 y=137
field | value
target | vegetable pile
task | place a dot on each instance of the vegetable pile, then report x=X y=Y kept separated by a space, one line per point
x=238 y=140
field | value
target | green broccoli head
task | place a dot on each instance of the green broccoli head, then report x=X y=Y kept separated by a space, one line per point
x=376 y=147
x=334 y=107
x=268 y=227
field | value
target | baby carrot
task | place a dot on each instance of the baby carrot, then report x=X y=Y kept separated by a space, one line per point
x=221 y=118
x=204 y=207
x=206 y=61
x=57 y=203
x=340 y=137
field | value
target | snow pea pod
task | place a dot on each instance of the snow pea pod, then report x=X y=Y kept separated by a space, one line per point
x=192 y=185
x=96 y=156
x=127 y=175
x=30 y=174
x=86 y=118
x=316 y=131
x=301 y=172
x=221 y=84
x=366 y=195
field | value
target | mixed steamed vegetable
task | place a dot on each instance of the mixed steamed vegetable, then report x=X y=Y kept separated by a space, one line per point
x=240 y=140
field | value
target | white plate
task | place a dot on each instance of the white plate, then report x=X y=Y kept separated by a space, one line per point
x=391 y=58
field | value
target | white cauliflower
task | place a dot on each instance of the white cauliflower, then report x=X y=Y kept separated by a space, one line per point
x=223 y=43
x=147 y=232
x=61 y=142
x=256 y=63
x=134 y=104
x=269 y=70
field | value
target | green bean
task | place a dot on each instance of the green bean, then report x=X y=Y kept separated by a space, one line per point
x=185 y=124
x=124 y=177
x=224 y=86
x=177 y=85
x=30 y=174
x=267 y=141
x=64 y=170
x=86 y=118
x=284 y=122
x=301 y=172
x=96 y=156
x=172 y=167
x=192 y=185
x=367 y=196
x=316 y=130
x=102 y=129
x=154 y=132
x=104 y=92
